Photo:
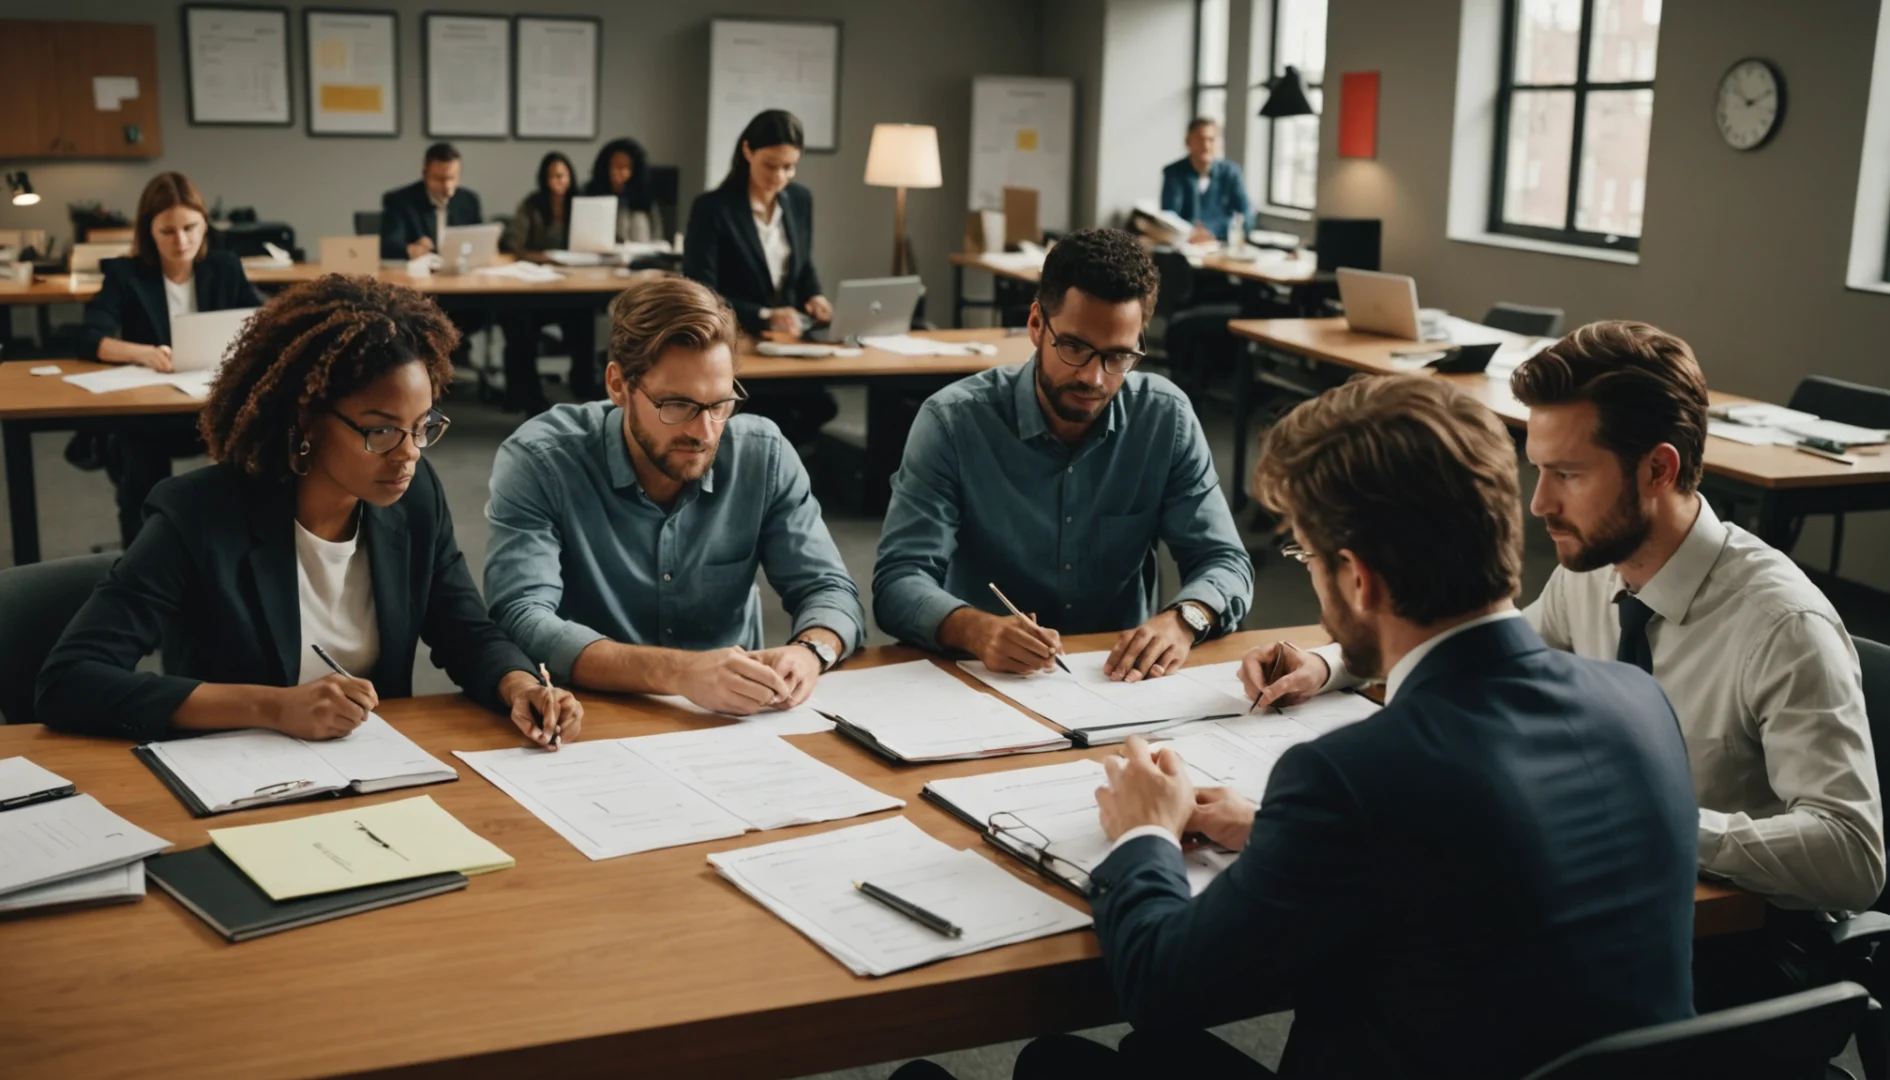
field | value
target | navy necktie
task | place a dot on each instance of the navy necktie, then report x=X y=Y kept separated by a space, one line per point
x=1634 y=648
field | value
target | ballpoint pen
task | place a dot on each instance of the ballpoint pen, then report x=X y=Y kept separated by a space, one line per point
x=557 y=733
x=1006 y=601
x=330 y=661
x=1275 y=671
x=911 y=910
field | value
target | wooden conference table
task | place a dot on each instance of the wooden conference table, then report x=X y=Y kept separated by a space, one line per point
x=31 y=403
x=584 y=281
x=1779 y=481
x=1268 y=266
x=648 y=964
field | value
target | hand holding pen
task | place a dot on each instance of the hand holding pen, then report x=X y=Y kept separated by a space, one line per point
x=1049 y=638
x=543 y=713
x=1281 y=674
x=327 y=708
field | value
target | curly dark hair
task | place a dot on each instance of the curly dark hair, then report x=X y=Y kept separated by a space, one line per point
x=1108 y=264
x=314 y=344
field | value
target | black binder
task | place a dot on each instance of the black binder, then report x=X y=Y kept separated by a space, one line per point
x=189 y=798
x=215 y=890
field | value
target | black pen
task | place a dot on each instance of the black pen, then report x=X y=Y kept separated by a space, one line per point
x=1006 y=601
x=330 y=661
x=911 y=910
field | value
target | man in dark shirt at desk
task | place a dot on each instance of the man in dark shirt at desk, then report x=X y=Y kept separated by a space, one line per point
x=1054 y=481
x=413 y=217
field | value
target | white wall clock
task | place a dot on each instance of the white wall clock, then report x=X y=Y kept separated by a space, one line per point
x=1751 y=103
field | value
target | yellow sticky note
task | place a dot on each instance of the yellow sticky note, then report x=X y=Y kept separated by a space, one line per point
x=331 y=54
x=1027 y=138
x=366 y=845
x=340 y=97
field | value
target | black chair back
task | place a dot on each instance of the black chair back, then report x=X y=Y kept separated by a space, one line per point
x=36 y=602
x=1177 y=281
x=1874 y=658
x=1845 y=402
x=1526 y=320
x=1348 y=242
x=367 y=223
x=1787 y=1038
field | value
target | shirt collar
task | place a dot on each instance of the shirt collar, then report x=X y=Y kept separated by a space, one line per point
x=1671 y=590
x=1408 y=663
x=1028 y=411
x=623 y=474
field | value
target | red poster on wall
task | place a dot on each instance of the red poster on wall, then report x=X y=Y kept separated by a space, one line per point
x=1358 y=114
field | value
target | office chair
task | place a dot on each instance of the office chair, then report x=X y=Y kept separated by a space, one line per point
x=1191 y=331
x=367 y=223
x=1348 y=242
x=1788 y=1038
x=36 y=602
x=1847 y=403
x=1525 y=320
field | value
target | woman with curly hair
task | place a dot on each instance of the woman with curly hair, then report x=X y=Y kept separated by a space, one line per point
x=319 y=525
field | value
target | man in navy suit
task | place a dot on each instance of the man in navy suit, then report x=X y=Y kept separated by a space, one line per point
x=1204 y=187
x=1495 y=868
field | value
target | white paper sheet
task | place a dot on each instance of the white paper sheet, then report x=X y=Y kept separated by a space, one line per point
x=20 y=778
x=67 y=838
x=908 y=345
x=920 y=712
x=808 y=882
x=759 y=778
x=1084 y=698
x=801 y=720
x=1749 y=435
x=251 y=767
x=119 y=883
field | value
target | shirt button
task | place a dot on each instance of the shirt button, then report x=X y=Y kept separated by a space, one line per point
x=1066 y=566
x=1067 y=518
x=665 y=577
x=1071 y=469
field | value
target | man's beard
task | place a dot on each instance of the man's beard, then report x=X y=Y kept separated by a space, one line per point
x=1358 y=645
x=1067 y=411
x=1618 y=537
x=660 y=453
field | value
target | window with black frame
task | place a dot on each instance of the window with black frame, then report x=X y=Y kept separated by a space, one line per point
x=1210 y=60
x=1574 y=111
x=1296 y=38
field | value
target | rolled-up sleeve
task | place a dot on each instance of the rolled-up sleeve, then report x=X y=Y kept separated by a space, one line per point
x=919 y=536
x=1199 y=530
x=524 y=571
x=799 y=556
x=1825 y=850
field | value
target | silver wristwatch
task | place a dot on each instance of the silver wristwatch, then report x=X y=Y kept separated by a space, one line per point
x=1196 y=619
x=828 y=658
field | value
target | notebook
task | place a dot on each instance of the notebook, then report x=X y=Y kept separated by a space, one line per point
x=119 y=885
x=211 y=887
x=67 y=838
x=345 y=849
x=23 y=783
x=1097 y=711
x=918 y=711
x=235 y=770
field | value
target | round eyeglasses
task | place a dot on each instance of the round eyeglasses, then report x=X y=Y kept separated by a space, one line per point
x=383 y=440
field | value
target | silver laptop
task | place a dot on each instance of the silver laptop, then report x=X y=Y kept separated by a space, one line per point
x=199 y=340
x=1378 y=303
x=867 y=307
x=594 y=224
x=483 y=238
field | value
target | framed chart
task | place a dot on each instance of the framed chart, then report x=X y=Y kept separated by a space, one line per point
x=772 y=64
x=467 y=61
x=351 y=67
x=556 y=95
x=236 y=65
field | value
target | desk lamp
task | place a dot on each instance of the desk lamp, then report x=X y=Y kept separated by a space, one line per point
x=23 y=193
x=903 y=156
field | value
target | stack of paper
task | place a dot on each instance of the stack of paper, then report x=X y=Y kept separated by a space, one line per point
x=808 y=882
x=534 y=273
x=622 y=796
x=908 y=345
x=1787 y=426
x=1240 y=752
x=1748 y=434
x=66 y=839
x=917 y=712
x=23 y=783
x=119 y=885
x=237 y=769
x=347 y=849
x=1096 y=710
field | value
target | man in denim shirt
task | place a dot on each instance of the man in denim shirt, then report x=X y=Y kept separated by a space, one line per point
x=1054 y=481
x=626 y=533
x=1204 y=187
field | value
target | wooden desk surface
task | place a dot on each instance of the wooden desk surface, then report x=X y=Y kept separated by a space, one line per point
x=560 y=963
x=871 y=363
x=1028 y=274
x=1330 y=340
x=1269 y=265
x=27 y=396
x=578 y=280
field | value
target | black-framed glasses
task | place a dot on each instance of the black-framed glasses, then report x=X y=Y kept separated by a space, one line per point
x=1293 y=551
x=1034 y=842
x=1078 y=353
x=383 y=440
x=680 y=410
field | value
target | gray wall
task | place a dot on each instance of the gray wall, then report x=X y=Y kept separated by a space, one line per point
x=1743 y=254
x=911 y=61
x=1073 y=49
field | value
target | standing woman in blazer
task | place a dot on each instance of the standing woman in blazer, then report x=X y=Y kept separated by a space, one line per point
x=171 y=271
x=752 y=240
x=623 y=169
x=543 y=223
x=319 y=524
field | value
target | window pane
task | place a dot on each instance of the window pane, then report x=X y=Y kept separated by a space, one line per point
x=1535 y=178
x=1621 y=42
x=1210 y=64
x=1614 y=162
x=1548 y=40
x=1295 y=172
x=1212 y=103
x=1302 y=39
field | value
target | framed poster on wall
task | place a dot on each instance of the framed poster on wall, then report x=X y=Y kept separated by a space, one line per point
x=768 y=64
x=468 y=75
x=557 y=77
x=236 y=65
x=352 y=69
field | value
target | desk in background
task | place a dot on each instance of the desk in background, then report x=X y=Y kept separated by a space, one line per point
x=1778 y=481
x=648 y=963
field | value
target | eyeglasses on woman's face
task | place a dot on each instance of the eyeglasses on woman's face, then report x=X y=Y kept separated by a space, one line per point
x=383 y=440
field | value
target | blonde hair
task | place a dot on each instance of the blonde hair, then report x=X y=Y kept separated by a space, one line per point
x=654 y=315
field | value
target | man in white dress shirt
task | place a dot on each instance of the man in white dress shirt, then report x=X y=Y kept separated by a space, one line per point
x=1758 y=665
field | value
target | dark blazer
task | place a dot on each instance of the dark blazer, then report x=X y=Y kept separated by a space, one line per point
x=129 y=304
x=407 y=215
x=723 y=251
x=1495 y=868
x=215 y=564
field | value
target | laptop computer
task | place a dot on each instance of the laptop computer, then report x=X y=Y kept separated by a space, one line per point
x=1378 y=303
x=866 y=307
x=593 y=224
x=199 y=340
x=351 y=255
x=485 y=246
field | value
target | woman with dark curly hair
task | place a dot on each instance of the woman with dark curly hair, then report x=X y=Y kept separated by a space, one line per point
x=622 y=168
x=319 y=525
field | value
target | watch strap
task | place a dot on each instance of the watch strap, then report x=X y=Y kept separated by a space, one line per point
x=819 y=654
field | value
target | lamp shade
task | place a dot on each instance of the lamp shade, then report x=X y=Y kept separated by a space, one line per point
x=904 y=155
x=22 y=188
x=1286 y=96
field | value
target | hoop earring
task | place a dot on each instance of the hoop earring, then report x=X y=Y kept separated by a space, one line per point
x=300 y=452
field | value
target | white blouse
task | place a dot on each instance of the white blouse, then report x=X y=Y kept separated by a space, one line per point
x=337 y=601
x=774 y=242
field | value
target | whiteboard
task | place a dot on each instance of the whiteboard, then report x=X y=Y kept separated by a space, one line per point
x=771 y=65
x=1022 y=132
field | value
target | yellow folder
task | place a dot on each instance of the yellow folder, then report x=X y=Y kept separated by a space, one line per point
x=367 y=845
